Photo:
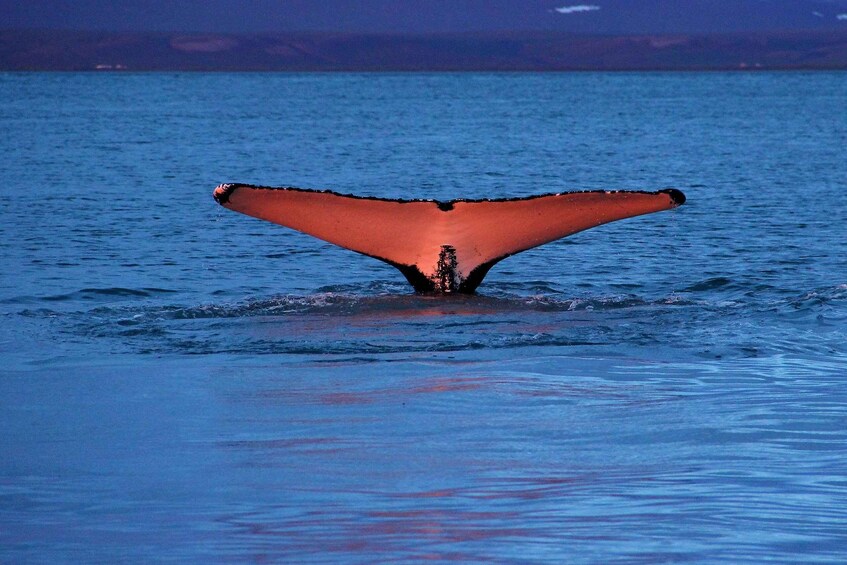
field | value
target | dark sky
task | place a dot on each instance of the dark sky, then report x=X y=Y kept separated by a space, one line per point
x=422 y=16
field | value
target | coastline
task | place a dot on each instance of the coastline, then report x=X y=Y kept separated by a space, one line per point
x=65 y=50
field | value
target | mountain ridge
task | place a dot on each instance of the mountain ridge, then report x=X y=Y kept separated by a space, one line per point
x=27 y=50
x=620 y=17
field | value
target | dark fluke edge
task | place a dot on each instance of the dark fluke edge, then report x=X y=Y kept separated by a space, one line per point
x=443 y=247
x=223 y=191
x=677 y=195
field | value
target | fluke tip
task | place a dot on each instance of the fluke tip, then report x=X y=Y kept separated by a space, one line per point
x=676 y=195
x=223 y=191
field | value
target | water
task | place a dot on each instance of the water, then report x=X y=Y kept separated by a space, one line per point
x=182 y=383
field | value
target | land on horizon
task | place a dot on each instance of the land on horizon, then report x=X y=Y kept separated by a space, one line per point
x=411 y=17
x=63 y=50
x=407 y=35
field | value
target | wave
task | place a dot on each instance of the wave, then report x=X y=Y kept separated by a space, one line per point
x=711 y=318
x=89 y=294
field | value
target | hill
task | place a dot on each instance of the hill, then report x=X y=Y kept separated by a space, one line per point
x=619 y=17
x=493 y=51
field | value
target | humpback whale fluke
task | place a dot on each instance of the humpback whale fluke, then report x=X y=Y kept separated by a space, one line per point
x=440 y=246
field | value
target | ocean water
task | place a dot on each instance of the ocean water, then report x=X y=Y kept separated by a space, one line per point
x=180 y=383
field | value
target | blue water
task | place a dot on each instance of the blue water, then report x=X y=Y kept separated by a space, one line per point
x=182 y=383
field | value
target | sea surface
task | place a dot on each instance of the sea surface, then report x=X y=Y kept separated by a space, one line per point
x=181 y=383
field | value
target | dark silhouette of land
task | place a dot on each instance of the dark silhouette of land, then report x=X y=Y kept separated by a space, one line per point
x=52 y=50
x=606 y=17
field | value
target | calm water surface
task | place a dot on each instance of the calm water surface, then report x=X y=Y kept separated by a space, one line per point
x=181 y=383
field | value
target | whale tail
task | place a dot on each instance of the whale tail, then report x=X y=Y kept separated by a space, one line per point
x=440 y=246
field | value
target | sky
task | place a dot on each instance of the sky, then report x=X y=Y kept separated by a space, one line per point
x=425 y=16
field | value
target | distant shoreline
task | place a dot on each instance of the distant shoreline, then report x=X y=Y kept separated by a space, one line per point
x=43 y=50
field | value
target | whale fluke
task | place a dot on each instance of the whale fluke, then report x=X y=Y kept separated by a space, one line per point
x=440 y=246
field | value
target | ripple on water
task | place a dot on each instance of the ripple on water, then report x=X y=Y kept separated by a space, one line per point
x=710 y=319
